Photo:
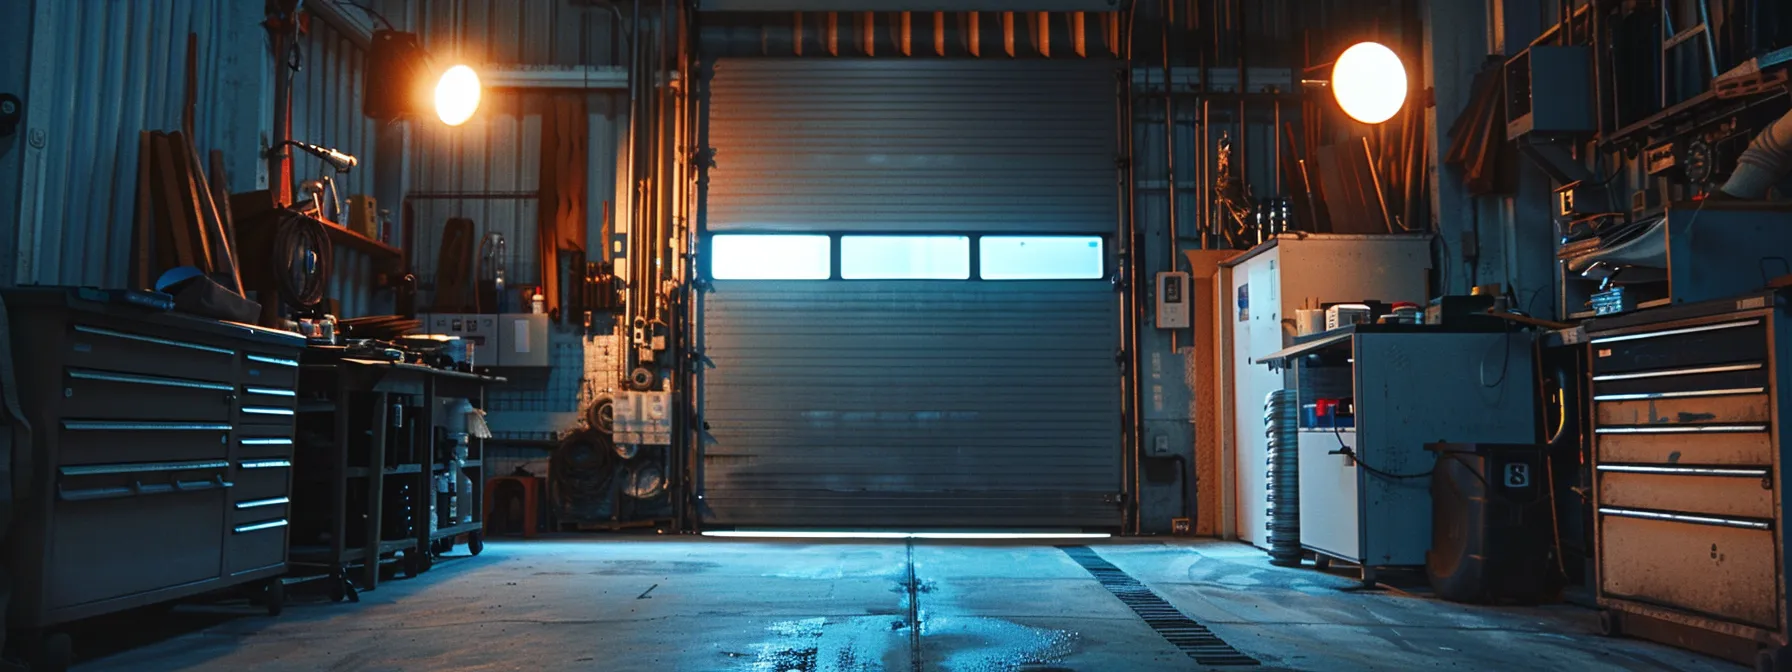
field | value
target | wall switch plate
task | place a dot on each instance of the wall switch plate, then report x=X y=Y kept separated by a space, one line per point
x=1172 y=301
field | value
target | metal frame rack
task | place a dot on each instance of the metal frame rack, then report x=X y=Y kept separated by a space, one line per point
x=332 y=383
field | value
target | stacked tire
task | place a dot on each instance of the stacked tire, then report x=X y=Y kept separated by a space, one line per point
x=1281 y=425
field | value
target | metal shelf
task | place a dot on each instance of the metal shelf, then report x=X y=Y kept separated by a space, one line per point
x=453 y=530
x=361 y=472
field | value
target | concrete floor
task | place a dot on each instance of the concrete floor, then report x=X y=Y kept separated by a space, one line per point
x=683 y=603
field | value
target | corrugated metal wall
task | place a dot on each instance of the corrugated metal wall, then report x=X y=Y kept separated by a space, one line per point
x=912 y=403
x=101 y=72
x=488 y=170
x=326 y=110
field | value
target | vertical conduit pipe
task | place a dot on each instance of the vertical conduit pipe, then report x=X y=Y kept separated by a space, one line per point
x=1169 y=19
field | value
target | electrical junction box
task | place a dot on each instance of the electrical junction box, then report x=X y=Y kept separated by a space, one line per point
x=477 y=329
x=1172 y=301
x=643 y=418
x=363 y=216
x=523 y=340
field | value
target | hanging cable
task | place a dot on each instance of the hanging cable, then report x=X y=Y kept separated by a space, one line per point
x=303 y=258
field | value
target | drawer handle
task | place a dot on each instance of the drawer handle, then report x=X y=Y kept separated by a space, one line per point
x=1675 y=332
x=138 y=488
x=276 y=361
x=111 y=426
x=256 y=527
x=1686 y=518
x=1689 y=471
x=270 y=391
x=1680 y=395
x=1678 y=372
x=263 y=410
x=266 y=442
x=141 y=467
x=151 y=339
x=84 y=374
x=1681 y=429
x=258 y=503
x=266 y=464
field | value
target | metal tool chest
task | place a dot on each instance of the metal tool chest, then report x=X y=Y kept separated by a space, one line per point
x=160 y=456
x=1687 y=474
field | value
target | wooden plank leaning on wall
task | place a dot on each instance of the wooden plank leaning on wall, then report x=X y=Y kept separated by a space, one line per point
x=1207 y=385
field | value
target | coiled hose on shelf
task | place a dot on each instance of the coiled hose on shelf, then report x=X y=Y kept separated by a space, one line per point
x=303 y=258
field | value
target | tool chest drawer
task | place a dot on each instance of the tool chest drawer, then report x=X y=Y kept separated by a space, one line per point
x=265 y=369
x=263 y=478
x=113 y=547
x=1729 y=492
x=1723 y=571
x=255 y=545
x=1715 y=379
x=1682 y=347
x=1686 y=410
x=112 y=395
x=1716 y=449
x=136 y=350
x=105 y=441
x=260 y=441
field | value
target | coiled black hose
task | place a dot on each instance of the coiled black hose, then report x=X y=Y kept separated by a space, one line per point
x=582 y=476
x=302 y=259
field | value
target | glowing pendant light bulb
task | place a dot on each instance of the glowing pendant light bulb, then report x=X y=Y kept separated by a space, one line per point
x=1369 y=82
x=457 y=95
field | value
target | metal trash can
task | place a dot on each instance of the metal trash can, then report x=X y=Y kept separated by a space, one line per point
x=1492 y=536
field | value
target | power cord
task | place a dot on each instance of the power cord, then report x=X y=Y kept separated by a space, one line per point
x=1345 y=450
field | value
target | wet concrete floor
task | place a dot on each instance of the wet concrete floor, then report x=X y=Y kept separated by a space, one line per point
x=687 y=603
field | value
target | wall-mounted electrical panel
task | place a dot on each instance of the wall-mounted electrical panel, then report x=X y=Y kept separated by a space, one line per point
x=1172 y=300
x=506 y=340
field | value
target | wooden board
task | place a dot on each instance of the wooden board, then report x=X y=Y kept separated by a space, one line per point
x=1206 y=383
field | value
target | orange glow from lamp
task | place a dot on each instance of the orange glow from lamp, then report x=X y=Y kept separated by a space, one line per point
x=1369 y=82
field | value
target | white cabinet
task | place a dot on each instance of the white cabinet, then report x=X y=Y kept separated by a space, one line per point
x=1264 y=287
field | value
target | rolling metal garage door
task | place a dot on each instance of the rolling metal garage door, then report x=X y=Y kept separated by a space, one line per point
x=911 y=403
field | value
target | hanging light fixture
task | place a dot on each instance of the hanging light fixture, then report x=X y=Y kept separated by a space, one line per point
x=1369 y=82
x=401 y=82
x=457 y=95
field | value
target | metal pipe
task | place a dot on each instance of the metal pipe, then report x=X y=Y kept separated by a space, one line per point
x=1169 y=19
x=1135 y=305
x=1243 y=155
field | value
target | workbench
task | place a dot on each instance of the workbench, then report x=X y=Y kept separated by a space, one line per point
x=1364 y=489
x=365 y=400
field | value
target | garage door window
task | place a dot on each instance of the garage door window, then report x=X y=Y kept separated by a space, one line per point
x=1040 y=258
x=905 y=257
x=770 y=257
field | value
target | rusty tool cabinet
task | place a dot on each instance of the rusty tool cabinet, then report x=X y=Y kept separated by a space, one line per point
x=159 y=461
x=1687 y=475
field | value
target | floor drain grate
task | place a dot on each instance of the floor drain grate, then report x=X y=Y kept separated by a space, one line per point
x=1176 y=628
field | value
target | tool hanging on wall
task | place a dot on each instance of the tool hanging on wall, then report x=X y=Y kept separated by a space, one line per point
x=454 y=268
